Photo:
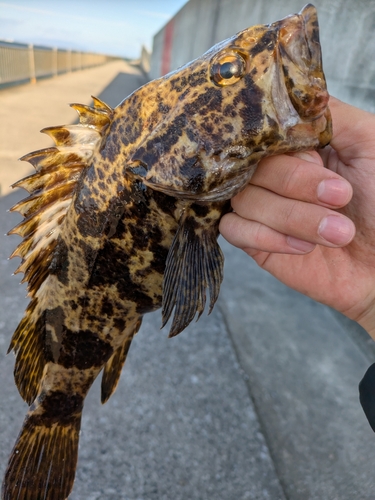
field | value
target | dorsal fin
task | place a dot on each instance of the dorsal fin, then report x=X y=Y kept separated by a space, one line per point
x=52 y=186
x=51 y=189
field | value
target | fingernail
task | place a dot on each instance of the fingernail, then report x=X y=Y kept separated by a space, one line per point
x=337 y=230
x=307 y=156
x=300 y=245
x=334 y=191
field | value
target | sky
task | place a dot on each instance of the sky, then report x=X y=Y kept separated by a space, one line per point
x=112 y=27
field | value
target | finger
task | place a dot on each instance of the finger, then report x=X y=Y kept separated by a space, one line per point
x=305 y=221
x=298 y=176
x=353 y=127
x=253 y=236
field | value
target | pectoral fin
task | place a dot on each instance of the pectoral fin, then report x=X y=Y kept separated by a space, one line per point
x=194 y=263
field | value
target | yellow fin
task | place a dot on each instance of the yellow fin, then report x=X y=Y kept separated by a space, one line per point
x=44 y=458
x=113 y=367
x=54 y=175
x=71 y=135
x=52 y=187
x=39 y=201
x=27 y=343
x=194 y=263
x=98 y=117
x=99 y=104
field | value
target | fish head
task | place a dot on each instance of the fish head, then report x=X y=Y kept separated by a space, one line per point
x=259 y=93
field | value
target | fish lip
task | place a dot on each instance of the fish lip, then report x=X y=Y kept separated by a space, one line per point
x=302 y=27
x=309 y=16
x=300 y=52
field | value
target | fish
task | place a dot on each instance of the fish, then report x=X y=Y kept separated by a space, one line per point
x=122 y=219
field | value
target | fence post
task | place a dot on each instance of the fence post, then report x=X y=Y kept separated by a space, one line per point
x=54 y=61
x=32 y=64
x=69 y=60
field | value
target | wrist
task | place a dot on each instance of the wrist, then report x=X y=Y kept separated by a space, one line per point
x=367 y=321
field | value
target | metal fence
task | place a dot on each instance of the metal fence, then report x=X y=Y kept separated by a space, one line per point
x=21 y=62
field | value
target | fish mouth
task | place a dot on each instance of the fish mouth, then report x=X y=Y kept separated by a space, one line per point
x=301 y=61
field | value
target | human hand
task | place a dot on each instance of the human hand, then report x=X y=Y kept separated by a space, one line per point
x=297 y=219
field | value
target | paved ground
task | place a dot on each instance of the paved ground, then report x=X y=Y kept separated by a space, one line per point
x=257 y=401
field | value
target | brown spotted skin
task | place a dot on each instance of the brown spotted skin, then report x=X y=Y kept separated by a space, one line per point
x=123 y=216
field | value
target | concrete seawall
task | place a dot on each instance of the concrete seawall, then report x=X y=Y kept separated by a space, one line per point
x=346 y=28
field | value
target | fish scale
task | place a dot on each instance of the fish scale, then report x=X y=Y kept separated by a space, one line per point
x=122 y=218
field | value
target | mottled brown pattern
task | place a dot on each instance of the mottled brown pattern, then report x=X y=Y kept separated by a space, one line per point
x=123 y=217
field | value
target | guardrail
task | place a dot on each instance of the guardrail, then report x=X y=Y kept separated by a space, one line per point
x=21 y=63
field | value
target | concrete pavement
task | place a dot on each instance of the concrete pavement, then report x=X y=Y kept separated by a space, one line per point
x=257 y=401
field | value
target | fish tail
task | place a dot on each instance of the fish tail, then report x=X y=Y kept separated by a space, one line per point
x=43 y=461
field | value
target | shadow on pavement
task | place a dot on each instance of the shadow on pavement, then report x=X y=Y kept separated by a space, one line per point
x=122 y=85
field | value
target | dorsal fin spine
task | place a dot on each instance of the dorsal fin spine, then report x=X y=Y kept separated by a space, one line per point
x=99 y=104
x=51 y=191
x=100 y=118
x=51 y=188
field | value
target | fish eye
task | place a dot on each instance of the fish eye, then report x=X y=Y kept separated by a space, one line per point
x=228 y=69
